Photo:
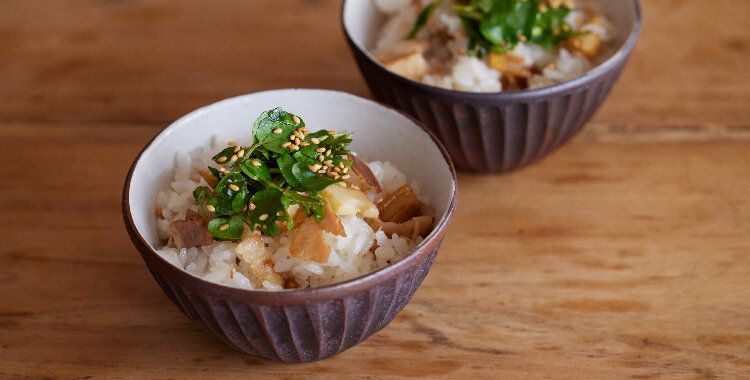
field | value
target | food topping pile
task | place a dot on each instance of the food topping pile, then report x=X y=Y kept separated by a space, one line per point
x=288 y=199
x=489 y=45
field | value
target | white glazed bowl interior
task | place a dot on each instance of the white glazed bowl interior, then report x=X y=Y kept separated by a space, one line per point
x=361 y=20
x=380 y=133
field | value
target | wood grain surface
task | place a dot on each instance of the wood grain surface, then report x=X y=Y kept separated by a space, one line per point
x=625 y=254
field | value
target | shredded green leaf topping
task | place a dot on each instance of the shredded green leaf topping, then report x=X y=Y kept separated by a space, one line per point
x=258 y=183
x=498 y=25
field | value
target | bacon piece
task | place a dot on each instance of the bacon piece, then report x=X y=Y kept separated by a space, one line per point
x=365 y=175
x=417 y=226
x=191 y=232
x=399 y=206
x=309 y=241
x=251 y=250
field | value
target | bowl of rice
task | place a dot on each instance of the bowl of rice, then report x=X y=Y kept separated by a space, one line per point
x=284 y=284
x=502 y=83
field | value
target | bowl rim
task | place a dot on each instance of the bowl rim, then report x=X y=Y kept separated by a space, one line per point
x=293 y=296
x=622 y=53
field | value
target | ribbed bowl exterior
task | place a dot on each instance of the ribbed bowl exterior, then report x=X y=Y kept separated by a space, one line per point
x=288 y=330
x=486 y=134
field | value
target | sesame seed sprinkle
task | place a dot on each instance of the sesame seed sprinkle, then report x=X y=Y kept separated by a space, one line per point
x=223 y=227
x=296 y=119
x=304 y=143
x=241 y=153
x=234 y=158
x=263 y=217
x=292 y=137
x=234 y=187
x=286 y=144
x=331 y=132
x=345 y=176
x=221 y=159
x=210 y=208
x=256 y=163
x=315 y=140
x=277 y=131
x=321 y=158
x=320 y=150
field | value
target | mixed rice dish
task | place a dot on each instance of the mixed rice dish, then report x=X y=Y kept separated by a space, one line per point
x=490 y=45
x=293 y=209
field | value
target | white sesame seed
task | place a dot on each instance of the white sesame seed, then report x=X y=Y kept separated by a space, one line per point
x=317 y=166
x=256 y=163
x=345 y=176
x=221 y=159
x=328 y=152
x=295 y=119
x=304 y=143
x=251 y=205
x=321 y=171
x=263 y=217
x=241 y=153
x=345 y=170
x=297 y=141
x=277 y=130
x=321 y=158
x=342 y=184
x=315 y=141
x=286 y=144
x=232 y=143
x=223 y=227
x=355 y=187
x=234 y=158
x=331 y=132
x=234 y=187
x=320 y=150
x=292 y=137
x=336 y=176
x=293 y=147
x=210 y=208
x=311 y=168
x=328 y=162
x=237 y=149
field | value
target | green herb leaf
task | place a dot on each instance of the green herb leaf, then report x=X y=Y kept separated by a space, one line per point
x=270 y=121
x=422 y=18
x=226 y=199
x=234 y=228
x=285 y=163
x=310 y=180
x=224 y=156
x=498 y=25
x=258 y=173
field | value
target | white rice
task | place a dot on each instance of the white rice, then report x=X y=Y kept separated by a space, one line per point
x=453 y=69
x=350 y=255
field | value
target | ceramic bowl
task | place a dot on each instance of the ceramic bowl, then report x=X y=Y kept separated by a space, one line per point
x=300 y=325
x=496 y=132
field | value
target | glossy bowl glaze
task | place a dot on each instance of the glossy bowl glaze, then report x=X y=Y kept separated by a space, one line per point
x=306 y=324
x=496 y=132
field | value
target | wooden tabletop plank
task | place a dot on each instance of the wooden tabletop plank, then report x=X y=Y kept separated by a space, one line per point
x=619 y=256
x=120 y=60
x=622 y=255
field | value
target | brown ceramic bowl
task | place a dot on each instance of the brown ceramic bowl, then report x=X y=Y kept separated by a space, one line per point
x=496 y=132
x=300 y=325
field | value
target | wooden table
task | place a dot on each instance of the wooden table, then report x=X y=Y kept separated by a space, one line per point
x=625 y=254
